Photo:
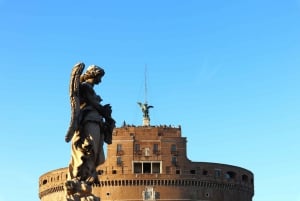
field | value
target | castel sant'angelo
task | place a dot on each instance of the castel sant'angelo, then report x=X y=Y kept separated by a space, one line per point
x=150 y=162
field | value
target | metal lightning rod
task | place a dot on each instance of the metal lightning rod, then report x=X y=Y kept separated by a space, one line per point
x=146 y=83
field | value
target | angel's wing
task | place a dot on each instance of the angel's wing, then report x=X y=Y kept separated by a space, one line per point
x=74 y=100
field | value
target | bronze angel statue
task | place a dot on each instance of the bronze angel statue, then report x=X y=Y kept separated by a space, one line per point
x=145 y=109
x=91 y=125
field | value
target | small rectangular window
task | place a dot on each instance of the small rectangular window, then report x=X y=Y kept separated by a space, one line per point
x=136 y=147
x=146 y=167
x=173 y=148
x=156 y=168
x=137 y=168
x=119 y=147
x=119 y=160
x=217 y=173
x=198 y=170
x=155 y=148
x=174 y=160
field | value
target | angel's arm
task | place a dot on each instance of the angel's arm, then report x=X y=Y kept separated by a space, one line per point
x=93 y=101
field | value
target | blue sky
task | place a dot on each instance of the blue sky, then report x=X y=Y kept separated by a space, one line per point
x=227 y=72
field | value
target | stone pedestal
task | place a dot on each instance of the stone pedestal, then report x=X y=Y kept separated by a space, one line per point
x=146 y=121
x=79 y=198
x=79 y=191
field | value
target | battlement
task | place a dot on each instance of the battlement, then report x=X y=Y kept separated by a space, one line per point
x=148 y=131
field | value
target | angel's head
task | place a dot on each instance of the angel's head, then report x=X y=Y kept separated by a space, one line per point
x=93 y=72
